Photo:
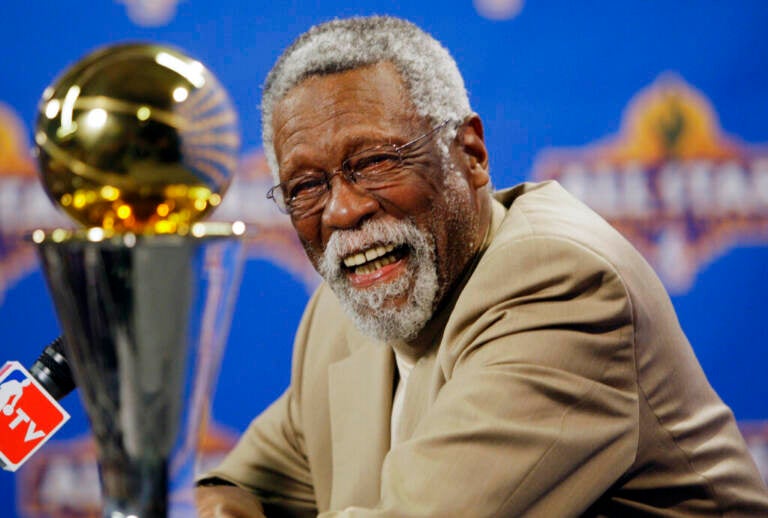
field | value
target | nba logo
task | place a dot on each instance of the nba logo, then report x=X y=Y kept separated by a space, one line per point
x=29 y=416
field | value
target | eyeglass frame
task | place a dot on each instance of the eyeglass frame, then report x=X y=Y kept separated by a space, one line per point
x=347 y=172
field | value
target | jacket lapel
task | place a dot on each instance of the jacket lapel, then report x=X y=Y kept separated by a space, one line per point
x=360 y=394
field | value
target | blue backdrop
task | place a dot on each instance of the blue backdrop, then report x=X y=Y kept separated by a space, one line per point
x=586 y=92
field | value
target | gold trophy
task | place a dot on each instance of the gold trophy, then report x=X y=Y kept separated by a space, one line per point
x=137 y=142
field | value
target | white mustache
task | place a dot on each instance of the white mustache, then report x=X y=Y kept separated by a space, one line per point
x=372 y=233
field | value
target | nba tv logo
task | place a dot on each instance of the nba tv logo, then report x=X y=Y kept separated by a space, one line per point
x=29 y=416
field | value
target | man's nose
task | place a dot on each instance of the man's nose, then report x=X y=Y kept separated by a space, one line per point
x=348 y=204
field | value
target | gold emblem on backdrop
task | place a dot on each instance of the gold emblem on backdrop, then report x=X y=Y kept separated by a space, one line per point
x=680 y=188
x=23 y=203
x=15 y=154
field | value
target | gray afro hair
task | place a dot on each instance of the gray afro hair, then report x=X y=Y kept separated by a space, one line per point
x=430 y=74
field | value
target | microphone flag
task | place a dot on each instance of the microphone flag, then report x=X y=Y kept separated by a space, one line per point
x=29 y=416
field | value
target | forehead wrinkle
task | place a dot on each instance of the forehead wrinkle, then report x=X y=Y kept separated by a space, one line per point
x=329 y=93
x=330 y=137
x=324 y=118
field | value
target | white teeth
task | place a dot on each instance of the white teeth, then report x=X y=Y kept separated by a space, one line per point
x=367 y=255
x=354 y=260
x=375 y=265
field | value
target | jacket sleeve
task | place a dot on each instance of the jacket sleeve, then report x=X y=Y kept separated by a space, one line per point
x=538 y=412
x=269 y=458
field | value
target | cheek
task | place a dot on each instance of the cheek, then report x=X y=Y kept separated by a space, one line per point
x=451 y=222
x=308 y=231
x=415 y=196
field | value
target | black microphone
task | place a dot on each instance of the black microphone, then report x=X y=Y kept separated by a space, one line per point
x=52 y=370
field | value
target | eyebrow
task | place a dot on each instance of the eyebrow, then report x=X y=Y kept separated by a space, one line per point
x=361 y=142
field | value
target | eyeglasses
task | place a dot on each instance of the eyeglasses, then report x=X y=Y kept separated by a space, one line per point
x=371 y=169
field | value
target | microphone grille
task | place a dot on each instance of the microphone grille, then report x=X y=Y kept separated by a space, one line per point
x=52 y=370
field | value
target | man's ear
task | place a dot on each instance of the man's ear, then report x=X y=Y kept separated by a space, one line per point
x=471 y=146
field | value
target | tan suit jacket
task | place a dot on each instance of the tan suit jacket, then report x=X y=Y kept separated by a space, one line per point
x=559 y=384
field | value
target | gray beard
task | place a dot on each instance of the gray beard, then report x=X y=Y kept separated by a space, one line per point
x=367 y=307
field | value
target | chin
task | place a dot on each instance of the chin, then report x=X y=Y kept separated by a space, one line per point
x=396 y=310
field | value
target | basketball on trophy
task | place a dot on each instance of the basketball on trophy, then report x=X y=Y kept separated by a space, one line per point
x=137 y=138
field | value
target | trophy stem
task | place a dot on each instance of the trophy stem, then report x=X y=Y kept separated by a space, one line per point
x=135 y=490
x=145 y=319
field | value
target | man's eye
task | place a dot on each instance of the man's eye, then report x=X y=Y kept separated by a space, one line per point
x=306 y=187
x=375 y=162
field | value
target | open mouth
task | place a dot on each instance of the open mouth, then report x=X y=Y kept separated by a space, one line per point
x=374 y=258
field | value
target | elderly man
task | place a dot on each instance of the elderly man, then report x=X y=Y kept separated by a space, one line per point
x=469 y=354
